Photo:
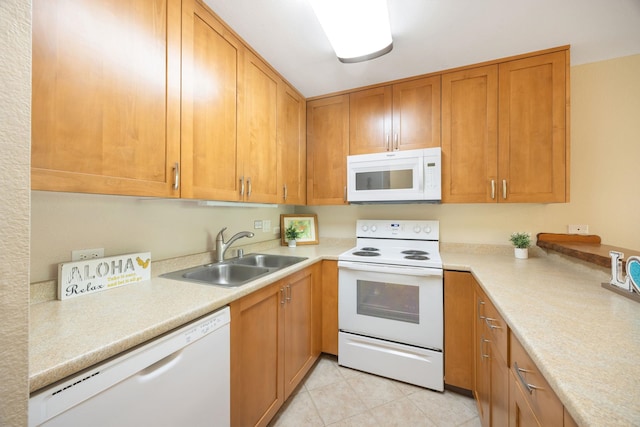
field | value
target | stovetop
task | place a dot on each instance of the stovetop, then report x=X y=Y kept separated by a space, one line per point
x=406 y=243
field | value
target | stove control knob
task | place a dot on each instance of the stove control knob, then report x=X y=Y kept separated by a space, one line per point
x=365 y=228
x=374 y=228
x=427 y=229
x=417 y=229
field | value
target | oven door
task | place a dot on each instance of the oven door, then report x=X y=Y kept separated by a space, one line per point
x=395 y=303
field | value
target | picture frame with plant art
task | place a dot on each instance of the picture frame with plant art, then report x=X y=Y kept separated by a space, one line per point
x=306 y=226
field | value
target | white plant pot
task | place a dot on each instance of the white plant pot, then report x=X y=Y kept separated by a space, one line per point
x=521 y=253
x=292 y=243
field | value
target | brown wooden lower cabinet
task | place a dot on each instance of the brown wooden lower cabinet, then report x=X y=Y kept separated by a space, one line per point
x=275 y=340
x=535 y=389
x=458 y=329
x=330 y=307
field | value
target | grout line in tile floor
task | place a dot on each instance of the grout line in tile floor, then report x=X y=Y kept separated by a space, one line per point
x=332 y=395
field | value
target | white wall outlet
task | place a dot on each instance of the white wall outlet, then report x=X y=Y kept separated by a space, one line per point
x=276 y=231
x=266 y=226
x=578 y=229
x=83 y=254
x=257 y=224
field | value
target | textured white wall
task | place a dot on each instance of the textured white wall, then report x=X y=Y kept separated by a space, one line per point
x=605 y=176
x=15 y=141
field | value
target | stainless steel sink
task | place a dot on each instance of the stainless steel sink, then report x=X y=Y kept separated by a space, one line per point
x=226 y=274
x=236 y=271
x=268 y=260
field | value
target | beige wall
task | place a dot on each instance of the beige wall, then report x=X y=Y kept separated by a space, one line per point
x=605 y=174
x=62 y=222
x=15 y=128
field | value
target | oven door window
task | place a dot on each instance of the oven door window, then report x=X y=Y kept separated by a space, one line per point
x=388 y=301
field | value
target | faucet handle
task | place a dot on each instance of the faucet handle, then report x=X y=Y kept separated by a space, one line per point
x=220 y=235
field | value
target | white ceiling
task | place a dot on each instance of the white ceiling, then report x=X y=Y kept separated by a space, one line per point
x=432 y=35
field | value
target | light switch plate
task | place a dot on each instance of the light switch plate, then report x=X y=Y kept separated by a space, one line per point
x=266 y=226
x=257 y=224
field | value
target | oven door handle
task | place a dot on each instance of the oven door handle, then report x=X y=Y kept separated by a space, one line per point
x=391 y=269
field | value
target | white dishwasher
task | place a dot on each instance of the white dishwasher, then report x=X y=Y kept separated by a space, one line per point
x=179 y=379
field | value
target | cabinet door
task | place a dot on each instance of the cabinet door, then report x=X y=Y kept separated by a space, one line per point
x=520 y=414
x=327 y=150
x=257 y=359
x=106 y=96
x=292 y=160
x=300 y=348
x=416 y=114
x=533 y=99
x=482 y=360
x=499 y=388
x=458 y=329
x=257 y=131
x=370 y=120
x=330 y=307
x=470 y=135
x=210 y=65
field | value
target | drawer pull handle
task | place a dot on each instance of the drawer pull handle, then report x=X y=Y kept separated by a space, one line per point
x=480 y=303
x=282 y=296
x=483 y=340
x=491 y=325
x=529 y=387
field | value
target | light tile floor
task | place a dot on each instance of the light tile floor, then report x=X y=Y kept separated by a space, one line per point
x=332 y=395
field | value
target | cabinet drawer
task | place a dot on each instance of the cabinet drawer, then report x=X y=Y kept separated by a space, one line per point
x=495 y=324
x=543 y=401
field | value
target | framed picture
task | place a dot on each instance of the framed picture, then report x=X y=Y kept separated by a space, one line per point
x=306 y=224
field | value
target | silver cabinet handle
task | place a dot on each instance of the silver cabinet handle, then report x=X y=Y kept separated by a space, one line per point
x=388 y=145
x=488 y=320
x=345 y=194
x=282 y=296
x=288 y=293
x=504 y=188
x=529 y=387
x=480 y=303
x=493 y=189
x=396 y=140
x=483 y=341
x=249 y=187
x=285 y=192
x=242 y=186
x=176 y=175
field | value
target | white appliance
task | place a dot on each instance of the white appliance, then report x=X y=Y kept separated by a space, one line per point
x=179 y=379
x=412 y=176
x=390 y=302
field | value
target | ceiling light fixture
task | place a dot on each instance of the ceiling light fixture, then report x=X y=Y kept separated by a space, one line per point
x=358 y=30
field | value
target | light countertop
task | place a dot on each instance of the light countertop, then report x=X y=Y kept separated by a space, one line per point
x=583 y=338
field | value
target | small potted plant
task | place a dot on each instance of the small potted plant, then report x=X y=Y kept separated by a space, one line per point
x=292 y=233
x=521 y=241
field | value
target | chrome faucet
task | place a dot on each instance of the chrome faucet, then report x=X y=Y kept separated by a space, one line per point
x=222 y=246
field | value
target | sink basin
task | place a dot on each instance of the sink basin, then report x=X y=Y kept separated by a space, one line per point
x=235 y=272
x=225 y=274
x=268 y=260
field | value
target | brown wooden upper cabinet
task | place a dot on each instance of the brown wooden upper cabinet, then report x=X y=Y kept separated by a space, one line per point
x=504 y=136
x=106 y=97
x=327 y=150
x=212 y=59
x=292 y=160
x=257 y=132
x=402 y=116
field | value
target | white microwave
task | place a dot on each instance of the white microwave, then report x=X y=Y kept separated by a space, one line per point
x=412 y=176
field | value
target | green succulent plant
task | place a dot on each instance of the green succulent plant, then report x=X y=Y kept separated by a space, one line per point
x=520 y=240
